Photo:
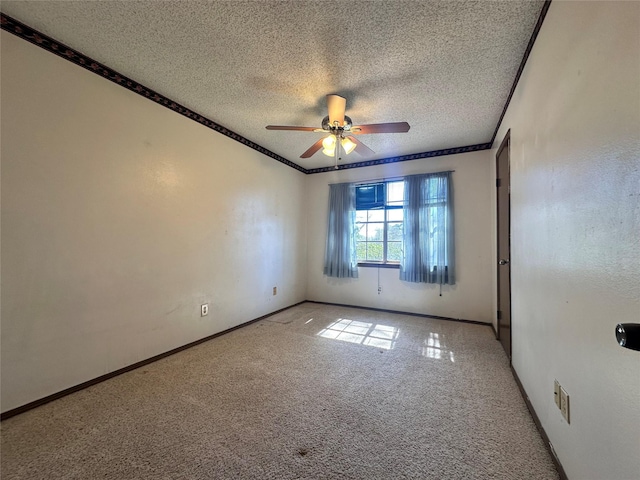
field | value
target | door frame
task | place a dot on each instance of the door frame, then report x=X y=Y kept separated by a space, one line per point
x=506 y=143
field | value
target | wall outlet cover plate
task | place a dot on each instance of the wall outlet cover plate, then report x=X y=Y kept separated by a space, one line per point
x=564 y=404
x=556 y=393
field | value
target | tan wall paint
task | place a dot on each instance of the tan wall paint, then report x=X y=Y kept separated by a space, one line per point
x=470 y=298
x=119 y=218
x=575 y=199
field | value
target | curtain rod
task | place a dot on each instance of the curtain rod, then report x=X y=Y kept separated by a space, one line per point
x=391 y=179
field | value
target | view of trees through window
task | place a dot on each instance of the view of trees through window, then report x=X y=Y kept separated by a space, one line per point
x=379 y=222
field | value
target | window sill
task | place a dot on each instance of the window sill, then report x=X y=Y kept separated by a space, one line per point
x=380 y=265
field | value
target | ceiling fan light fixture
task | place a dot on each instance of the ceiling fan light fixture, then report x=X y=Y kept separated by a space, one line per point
x=329 y=142
x=348 y=146
x=329 y=145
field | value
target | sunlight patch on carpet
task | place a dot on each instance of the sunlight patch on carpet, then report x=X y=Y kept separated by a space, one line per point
x=363 y=333
x=434 y=347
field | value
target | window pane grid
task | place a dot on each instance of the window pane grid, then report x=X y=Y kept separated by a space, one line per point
x=379 y=228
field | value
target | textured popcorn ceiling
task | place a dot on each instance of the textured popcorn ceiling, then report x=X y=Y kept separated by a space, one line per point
x=446 y=67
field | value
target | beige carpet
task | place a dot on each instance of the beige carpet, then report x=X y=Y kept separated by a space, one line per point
x=314 y=392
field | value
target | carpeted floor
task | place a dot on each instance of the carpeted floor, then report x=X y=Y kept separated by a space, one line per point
x=314 y=392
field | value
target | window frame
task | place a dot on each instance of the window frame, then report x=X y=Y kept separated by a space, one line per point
x=385 y=207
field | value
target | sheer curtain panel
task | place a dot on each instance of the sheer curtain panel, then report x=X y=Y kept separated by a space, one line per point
x=340 y=255
x=428 y=235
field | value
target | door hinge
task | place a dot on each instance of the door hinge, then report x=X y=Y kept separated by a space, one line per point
x=499 y=314
x=498 y=182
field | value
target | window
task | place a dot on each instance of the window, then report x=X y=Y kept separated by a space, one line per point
x=406 y=224
x=379 y=220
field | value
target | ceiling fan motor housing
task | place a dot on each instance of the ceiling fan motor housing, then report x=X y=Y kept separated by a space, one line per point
x=337 y=129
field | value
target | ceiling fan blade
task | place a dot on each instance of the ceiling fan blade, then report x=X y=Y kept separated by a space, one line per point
x=361 y=148
x=336 y=106
x=288 y=127
x=393 y=127
x=313 y=149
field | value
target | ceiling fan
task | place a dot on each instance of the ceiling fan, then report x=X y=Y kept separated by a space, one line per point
x=339 y=127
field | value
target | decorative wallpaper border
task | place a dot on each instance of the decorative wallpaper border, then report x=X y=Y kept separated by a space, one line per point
x=404 y=158
x=31 y=35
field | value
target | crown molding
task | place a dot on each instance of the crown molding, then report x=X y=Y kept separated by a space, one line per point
x=41 y=40
x=404 y=158
x=525 y=57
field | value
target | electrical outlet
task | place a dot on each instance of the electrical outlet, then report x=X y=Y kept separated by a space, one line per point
x=275 y=290
x=379 y=290
x=556 y=393
x=204 y=309
x=564 y=404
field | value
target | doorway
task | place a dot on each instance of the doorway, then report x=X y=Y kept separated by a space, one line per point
x=503 y=192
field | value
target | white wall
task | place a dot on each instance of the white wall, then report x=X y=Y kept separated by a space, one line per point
x=119 y=218
x=469 y=299
x=575 y=199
